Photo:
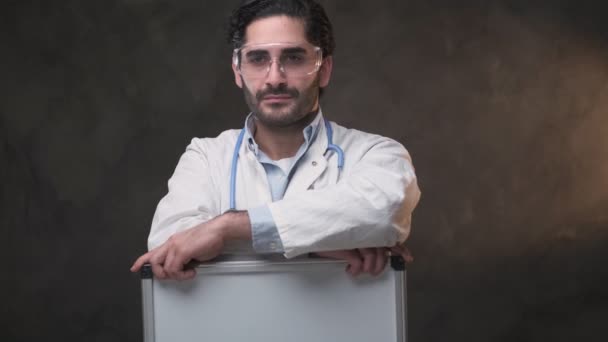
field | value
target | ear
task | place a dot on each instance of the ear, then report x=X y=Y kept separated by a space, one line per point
x=325 y=71
x=237 y=77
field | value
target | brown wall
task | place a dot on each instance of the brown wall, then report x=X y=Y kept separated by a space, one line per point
x=503 y=105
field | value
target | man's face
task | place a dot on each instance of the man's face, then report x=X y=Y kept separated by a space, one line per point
x=280 y=97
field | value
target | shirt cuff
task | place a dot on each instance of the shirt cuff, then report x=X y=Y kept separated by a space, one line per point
x=264 y=232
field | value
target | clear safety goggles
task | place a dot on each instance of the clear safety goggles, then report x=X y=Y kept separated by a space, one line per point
x=293 y=60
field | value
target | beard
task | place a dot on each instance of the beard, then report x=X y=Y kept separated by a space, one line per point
x=281 y=114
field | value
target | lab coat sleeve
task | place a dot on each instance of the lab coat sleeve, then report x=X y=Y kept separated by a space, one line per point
x=371 y=206
x=191 y=198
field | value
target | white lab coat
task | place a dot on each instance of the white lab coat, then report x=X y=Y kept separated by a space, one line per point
x=368 y=204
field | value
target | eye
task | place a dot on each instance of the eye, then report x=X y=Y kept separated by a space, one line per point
x=294 y=59
x=257 y=60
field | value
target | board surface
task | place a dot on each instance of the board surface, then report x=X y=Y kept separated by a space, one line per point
x=265 y=300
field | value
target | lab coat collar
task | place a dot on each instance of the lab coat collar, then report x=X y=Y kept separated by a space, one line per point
x=310 y=132
x=311 y=166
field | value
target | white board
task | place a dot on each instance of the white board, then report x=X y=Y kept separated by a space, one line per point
x=266 y=300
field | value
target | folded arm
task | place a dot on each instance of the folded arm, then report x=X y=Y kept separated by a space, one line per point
x=370 y=207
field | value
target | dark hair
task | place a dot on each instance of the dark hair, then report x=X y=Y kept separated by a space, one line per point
x=317 y=24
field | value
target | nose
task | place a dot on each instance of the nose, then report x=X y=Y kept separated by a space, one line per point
x=275 y=75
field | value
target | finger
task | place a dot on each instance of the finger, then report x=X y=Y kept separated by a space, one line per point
x=404 y=252
x=407 y=254
x=140 y=262
x=381 y=259
x=369 y=259
x=351 y=256
x=176 y=266
x=157 y=261
x=355 y=263
x=167 y=265
x=186 y=274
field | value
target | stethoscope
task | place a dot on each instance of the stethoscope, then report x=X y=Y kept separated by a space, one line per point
x=237 y=148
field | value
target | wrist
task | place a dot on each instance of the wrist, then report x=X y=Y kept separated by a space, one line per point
x=235 y=225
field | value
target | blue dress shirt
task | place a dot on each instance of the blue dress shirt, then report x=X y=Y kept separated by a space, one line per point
x=265 y=235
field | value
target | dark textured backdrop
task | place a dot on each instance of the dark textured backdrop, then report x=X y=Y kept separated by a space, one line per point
x=503 y=105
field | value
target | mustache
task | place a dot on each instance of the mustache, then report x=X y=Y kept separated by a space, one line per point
x=280 y=90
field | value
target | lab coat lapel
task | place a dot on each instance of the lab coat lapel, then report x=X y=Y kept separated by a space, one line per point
x=312 y=165
x=252 y=188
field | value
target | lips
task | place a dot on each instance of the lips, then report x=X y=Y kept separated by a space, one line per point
x=277 y=97
x=277 y=94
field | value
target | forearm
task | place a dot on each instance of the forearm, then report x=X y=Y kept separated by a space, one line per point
x=370 y=207
x=191 y=198
x=344 y=219
x=235 y=225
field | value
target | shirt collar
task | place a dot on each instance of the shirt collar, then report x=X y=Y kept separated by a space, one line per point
x=310 y=132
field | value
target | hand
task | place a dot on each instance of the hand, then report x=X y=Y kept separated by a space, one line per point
x=368 y=260
x=200 y=243
x=362 y=260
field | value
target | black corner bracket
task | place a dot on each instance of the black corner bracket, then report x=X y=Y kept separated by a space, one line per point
x=146 y=272
x=397 y=263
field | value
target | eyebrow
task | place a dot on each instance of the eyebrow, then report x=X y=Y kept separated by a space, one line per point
x=258 y=52
x=294 y=50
